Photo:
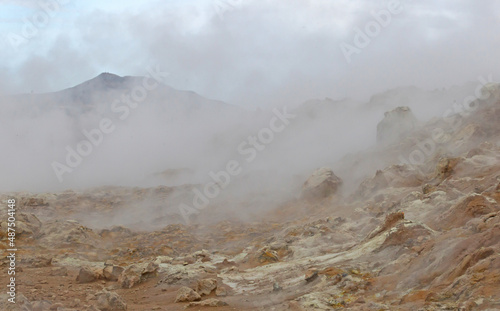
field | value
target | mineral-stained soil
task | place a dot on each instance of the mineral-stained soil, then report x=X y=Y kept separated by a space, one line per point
x=411 y=236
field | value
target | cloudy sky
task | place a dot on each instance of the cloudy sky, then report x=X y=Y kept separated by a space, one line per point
x=250 y=52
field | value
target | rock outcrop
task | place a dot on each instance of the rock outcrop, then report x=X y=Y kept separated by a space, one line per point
x=321 y=184
x=397 y=124
x=186 y=294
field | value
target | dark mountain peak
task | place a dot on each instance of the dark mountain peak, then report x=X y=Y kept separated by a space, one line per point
x=107 y=76
x=106 y=80
x=88 y=91
x=102 y=82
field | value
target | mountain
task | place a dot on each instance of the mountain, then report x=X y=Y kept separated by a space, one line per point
x=99 y=94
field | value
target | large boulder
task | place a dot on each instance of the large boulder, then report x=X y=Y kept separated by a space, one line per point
x=137 y=273
x=186 y=294
x=206 y=286
x=321 y=184
x=396 y=125
x=88 y=275
x=112 y=272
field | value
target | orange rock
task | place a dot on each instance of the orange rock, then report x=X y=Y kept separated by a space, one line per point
x=470 y=207
x=416 y=296
x=331 y=271
x=311 y=275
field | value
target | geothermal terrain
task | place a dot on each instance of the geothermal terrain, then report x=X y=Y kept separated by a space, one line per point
x=402 y=213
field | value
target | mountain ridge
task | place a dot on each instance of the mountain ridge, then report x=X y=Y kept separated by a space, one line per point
x=106 y=88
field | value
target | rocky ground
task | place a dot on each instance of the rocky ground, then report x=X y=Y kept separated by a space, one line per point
x=421 y=236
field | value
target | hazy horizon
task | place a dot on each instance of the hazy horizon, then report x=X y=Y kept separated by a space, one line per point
x=251 y=54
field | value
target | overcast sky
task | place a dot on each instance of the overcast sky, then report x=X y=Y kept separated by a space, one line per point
x=249 y=52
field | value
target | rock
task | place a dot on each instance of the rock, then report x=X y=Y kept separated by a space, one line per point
x=396 y=125
x=110 y=301
x=59 y=271
x=371 y=185
x=470 y=260
x=427 y=188
x=331 y=272
x=202 y=255
x=405 y=233
x=415 y=296
x=445 y=167
x=186 y=294
x=470 y=207
x=137 y=273
x=112 y=272
x=266 y=255
x=212 y=302
x=130 y=276
x=321 y=184
x=389 y=222
x=311 y=275
x=109 y=262
x=151 y=268
x=87 y=275
x=188 y=260
x=206 y=286
x=220 y=291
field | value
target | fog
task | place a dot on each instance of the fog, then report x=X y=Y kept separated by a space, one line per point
x=255 y=53
x=185 y=134
x=229 y=73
